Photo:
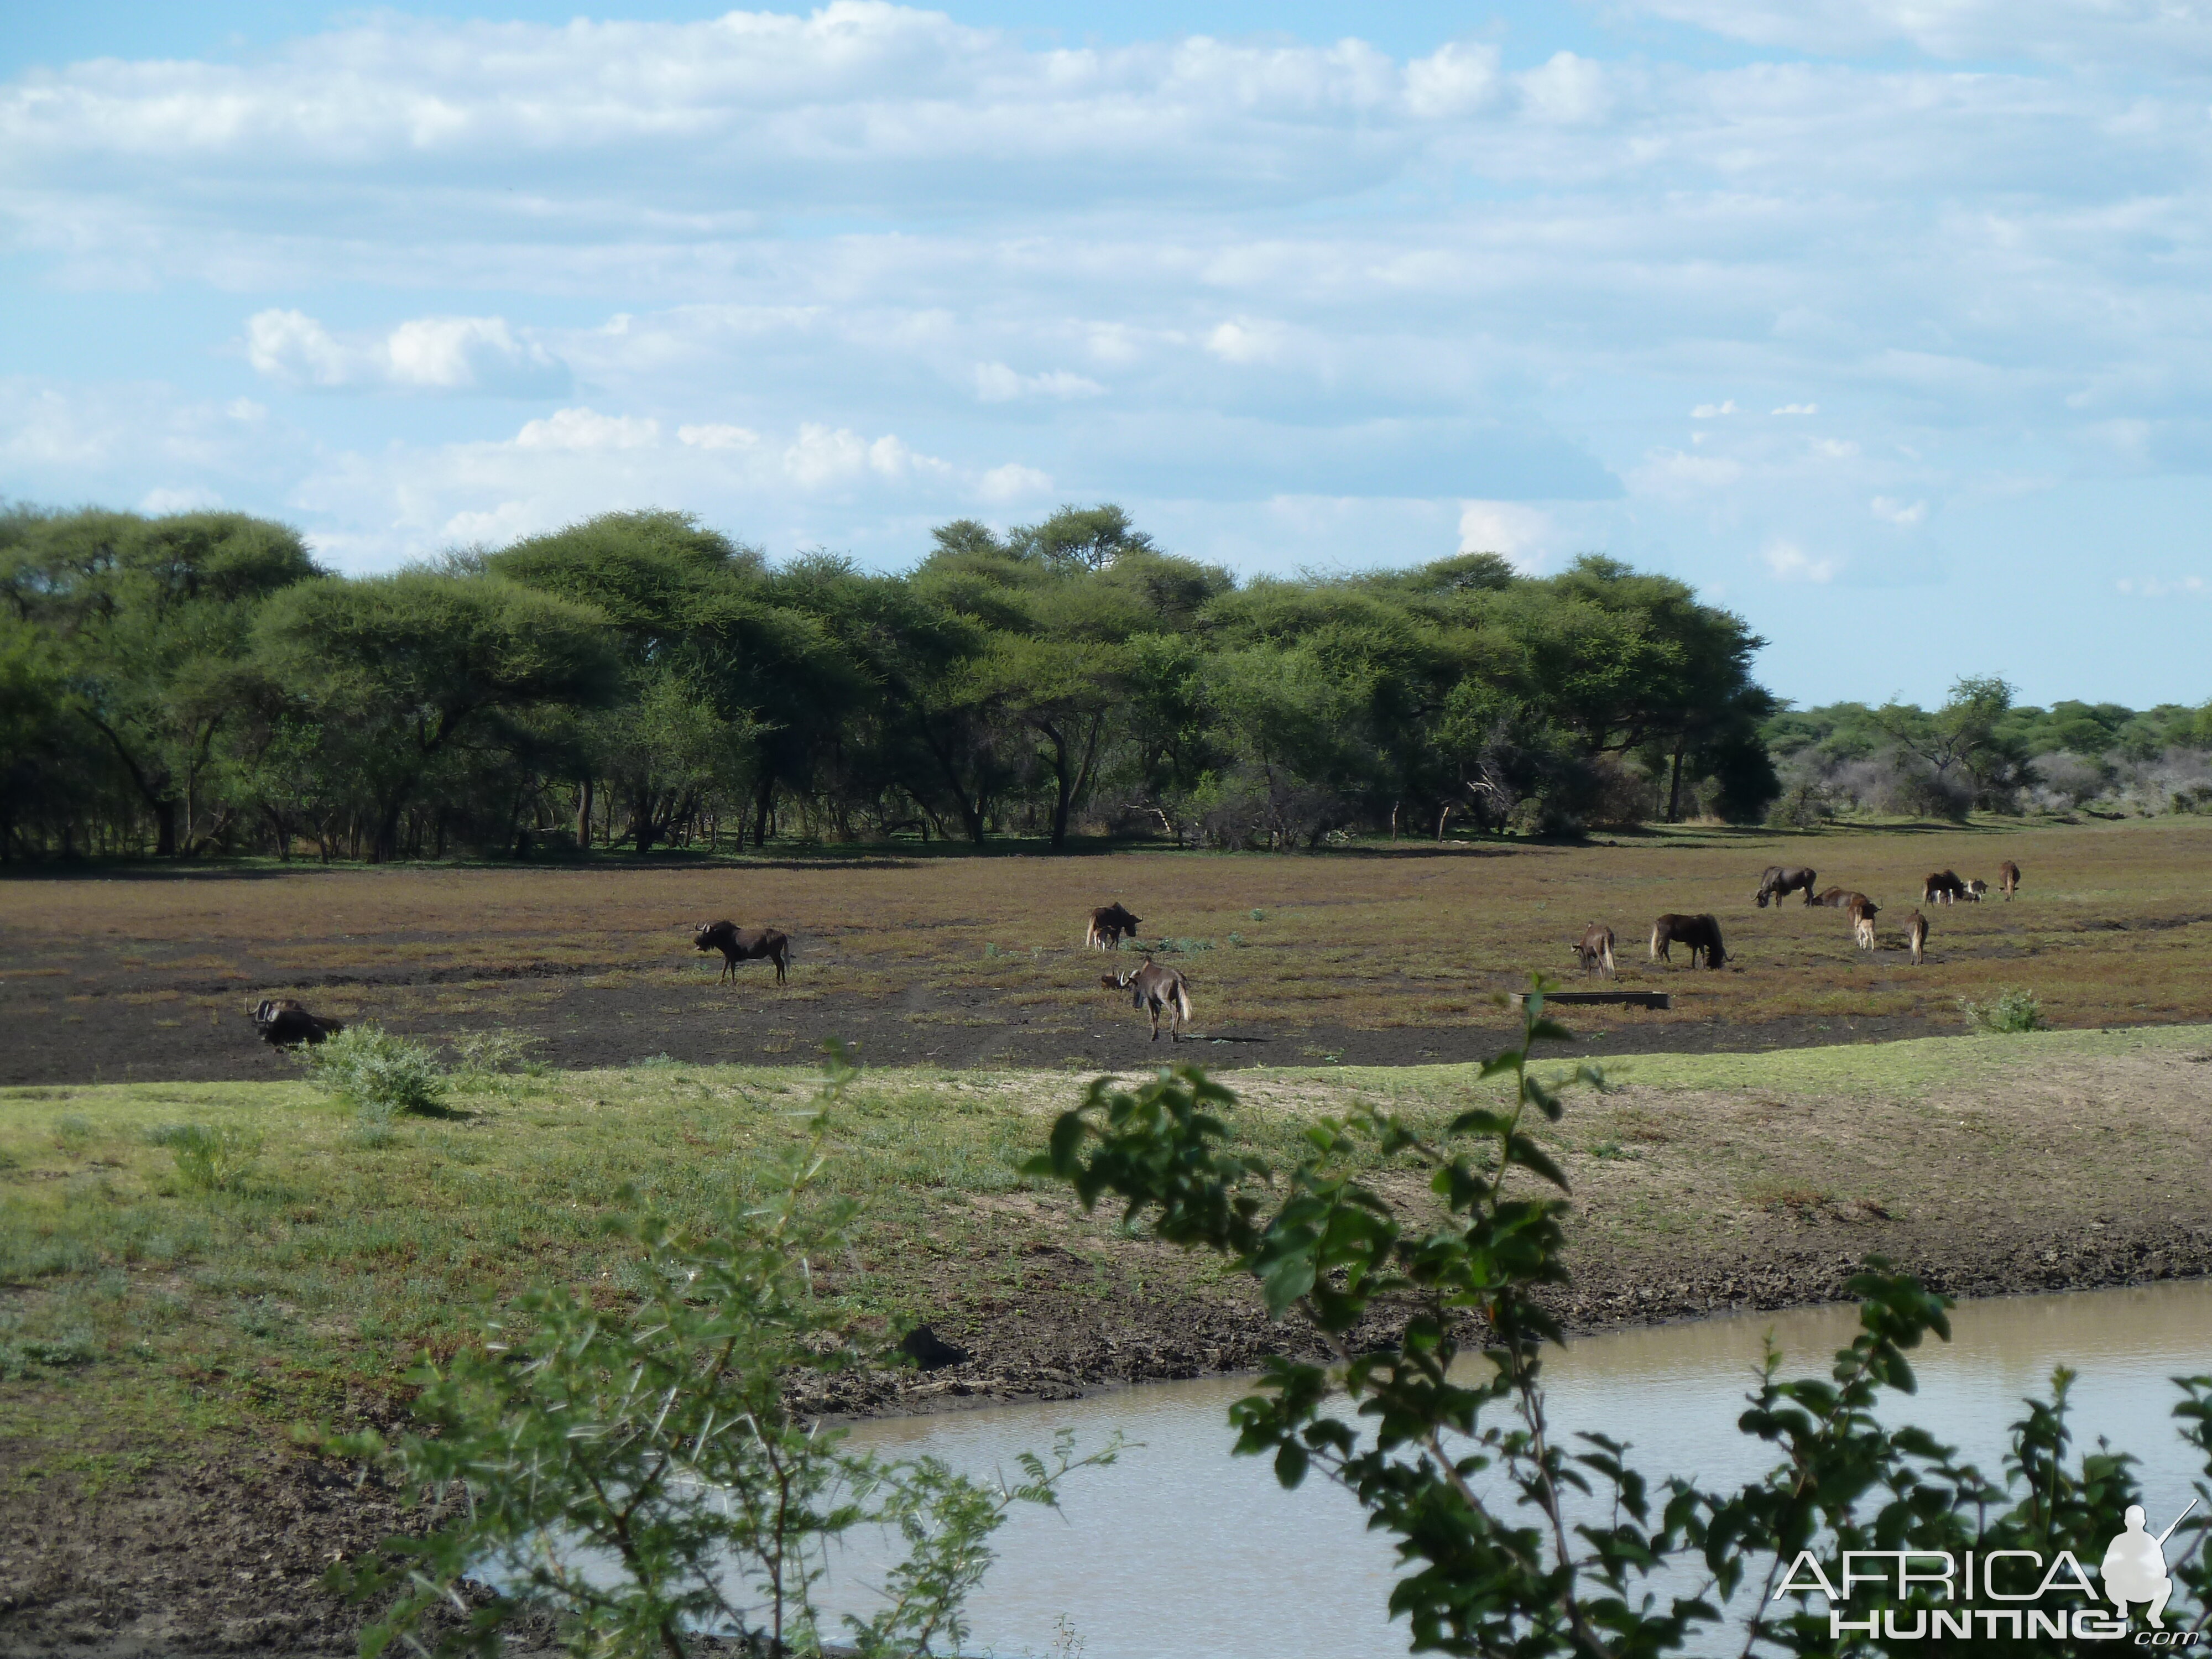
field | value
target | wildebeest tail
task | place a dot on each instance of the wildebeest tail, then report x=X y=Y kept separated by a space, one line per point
x=1608 y=954
x=1656 y=929
x=1182 y=999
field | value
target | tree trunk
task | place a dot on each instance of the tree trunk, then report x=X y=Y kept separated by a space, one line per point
x=760 y=809
x=1443 y=816
x=641 y=822
x=165 y=828
x=1674 y=788
x=583 y=815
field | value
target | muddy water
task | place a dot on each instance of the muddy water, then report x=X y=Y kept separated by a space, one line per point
x=1180 y=1549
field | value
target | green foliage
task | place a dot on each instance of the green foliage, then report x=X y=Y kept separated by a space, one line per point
x=73 y=1134
x=2014 y=1008
x=1492 y=1516
x=378 y=1073
x=216 y=1159
x=22 y=1354
x=655 y=1437
x=490 y=1061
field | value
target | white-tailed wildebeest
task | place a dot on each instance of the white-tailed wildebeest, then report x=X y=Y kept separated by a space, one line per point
x=1109 y=925
x=2007 y=878
x=1593 y=949
x=739 y=945
x=1778 y=881
x=280 y=1022
x=1943 y=887
x=1153 y=988
x=1699 y=933
x=1915 y=935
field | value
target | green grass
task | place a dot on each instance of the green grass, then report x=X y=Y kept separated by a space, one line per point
x=295 y=1270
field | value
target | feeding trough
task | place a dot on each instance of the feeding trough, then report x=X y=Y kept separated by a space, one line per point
x=1620 y=999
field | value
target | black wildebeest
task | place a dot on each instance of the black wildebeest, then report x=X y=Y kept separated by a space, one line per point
x=2007 y=878
x=1778 y=881
x=1699 y=933
x=1152 y=988
x=1943 y=887
x=1109 y=925
x=739 y=945
x=280 y=1022
x=1915 y=935
x=1593 y=949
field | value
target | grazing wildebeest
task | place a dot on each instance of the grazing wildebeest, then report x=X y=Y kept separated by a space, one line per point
x=739 y=945
x=281 y=1022
x=1976 y=889
x=1943 y=887
x=1699 y=933
x=2008 y=879
x=1915 y=935
x=1778 y=881
x=1109 y=925
x=1152 y=988
x=1593 y=949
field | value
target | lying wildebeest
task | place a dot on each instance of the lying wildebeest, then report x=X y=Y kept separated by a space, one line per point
x=1943 y=887
x=1778 y=881
x=739 y=945
x=1976 y=889
x=1915 y=935
x=1593 y=949
x=1109 y=925
x=281 y=1022
x=2007 y=878
x=1152 y=988
x=1699 y=933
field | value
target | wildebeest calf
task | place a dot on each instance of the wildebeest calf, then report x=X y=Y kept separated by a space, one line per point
x=1778 y=881
x=1699 y=933
x=2007 y=878
x=1593 y=949
x=1109 y=924
x=1862 y=928
x=739 y=945
x=1943 y=887
x=1152 y=988
x=1915 y=935
x=280 y=1022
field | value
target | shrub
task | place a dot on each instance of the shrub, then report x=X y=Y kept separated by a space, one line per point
x=490 y=1060
x=1803 y=805
x=1459 y=1462
x=379 y=1073
x=658 y=1443
x=2012 y=1009
x=210 y=1160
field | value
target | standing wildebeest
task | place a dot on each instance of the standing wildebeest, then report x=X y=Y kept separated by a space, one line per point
x=1699 y=933
x=739 y=945
x=1778 y=881
x=1942 y=888
x=1593 y=949
x=1915 y=935
x=1976 y=889
x=1152 y=988
x=280 y=1023
x=1109 y=924
x=1863 y=929
x=2008 y=879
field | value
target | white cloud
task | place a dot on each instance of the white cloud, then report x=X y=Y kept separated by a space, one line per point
x=1713 y=411
x=1791 y=564
x=425 y=354
x=2154 y=587
x=997 y=383
x=1903 y=514
x=1456 y=79
x=1245 y=340
x=1524 y=534
x=820 y=457
x=1798 y=409
x=587 y=429
x=718 y=437
x=194 y=498
x=1014 y=483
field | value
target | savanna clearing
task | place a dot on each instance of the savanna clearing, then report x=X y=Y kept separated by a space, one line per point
x=1383 y=953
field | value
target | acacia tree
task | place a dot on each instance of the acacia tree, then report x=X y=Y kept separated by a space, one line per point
x=396 y=668
x=1964 y=739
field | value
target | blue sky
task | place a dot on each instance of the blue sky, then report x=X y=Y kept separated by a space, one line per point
x=1885 y=322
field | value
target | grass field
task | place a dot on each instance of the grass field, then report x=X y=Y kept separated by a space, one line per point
x=148 y=1307
x=962 y=960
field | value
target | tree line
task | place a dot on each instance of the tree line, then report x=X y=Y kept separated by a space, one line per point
x=196 y=684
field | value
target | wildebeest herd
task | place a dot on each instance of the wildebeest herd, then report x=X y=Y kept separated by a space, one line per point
x=1701 y=934
x=1155 y=989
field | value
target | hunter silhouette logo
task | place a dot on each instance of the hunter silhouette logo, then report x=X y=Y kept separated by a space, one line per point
x=2134 y=1566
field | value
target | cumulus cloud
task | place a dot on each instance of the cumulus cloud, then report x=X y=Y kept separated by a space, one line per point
x=424 y=354
x=1014 y=482
x=1790 y=563
x=587 y=429
x=1798 y=409
x=192 y=498
x=1522 y=533
x=1903 y=514
x=2158 y=587
x=997 y=383
x=1713 y=411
